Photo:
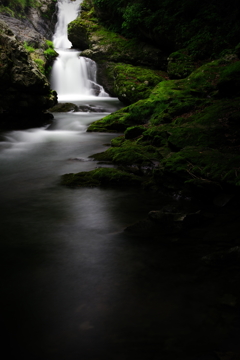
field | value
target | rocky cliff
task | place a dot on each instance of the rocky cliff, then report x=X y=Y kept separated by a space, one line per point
x=25 y=55
x=36 y=19
x=25 y=91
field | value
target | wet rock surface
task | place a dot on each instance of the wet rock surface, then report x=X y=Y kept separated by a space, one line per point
x=25 y=91
x=66 y=107
x=24 y=31
x=30 y=22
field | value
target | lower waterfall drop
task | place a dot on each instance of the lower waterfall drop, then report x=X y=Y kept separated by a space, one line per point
x=73 y=77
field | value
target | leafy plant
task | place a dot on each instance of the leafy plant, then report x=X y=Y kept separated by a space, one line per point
x=27 y=47
x=40 y=65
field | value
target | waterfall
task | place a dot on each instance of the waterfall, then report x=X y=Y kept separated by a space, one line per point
x=73 y=76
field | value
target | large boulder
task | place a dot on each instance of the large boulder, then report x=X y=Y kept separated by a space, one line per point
x=25 y=91
x=129 y=83
x=100 y=45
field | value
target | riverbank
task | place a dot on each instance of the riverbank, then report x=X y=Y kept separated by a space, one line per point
x=180 y=139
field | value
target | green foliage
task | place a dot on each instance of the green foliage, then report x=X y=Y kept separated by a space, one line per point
x=204 y=28
x=6 y=10
x=20 y=8
x=29 y=48
x=41 y=65
x=49 y=44
x=50 y=52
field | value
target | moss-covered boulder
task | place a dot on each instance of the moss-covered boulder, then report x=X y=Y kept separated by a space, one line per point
x=130 y=154
x=177 y=98
x=101 y=44
x=101 y=177
x=134 y=131
x=180 y=65
x=186 y=133
x=132 y=83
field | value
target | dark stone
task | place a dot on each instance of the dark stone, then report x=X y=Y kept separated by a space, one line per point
x=25 y=93
x=64 y=107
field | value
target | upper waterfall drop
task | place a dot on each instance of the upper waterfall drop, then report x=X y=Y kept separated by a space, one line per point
x=73 y=77
x=67 y=11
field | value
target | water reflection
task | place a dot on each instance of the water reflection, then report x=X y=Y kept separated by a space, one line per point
x=65 y=259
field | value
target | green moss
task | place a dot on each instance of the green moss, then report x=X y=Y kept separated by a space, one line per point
x=50 y=53
x=101 y=177
x=172 y=99
x=184 y=132
x=29 y=48
x=134 y=131
x=204 y=164
x=17 y=8
x=6 y=10
x=204 y=28
x=118 y=141
x=130 y=154
x=132 y=83
x=115 y=122
x=180 y=64
x=100 y=44
x=41 y=65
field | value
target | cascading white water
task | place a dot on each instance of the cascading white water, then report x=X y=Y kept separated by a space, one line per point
x=73 y=76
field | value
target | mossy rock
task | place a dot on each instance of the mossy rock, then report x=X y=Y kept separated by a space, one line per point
x=193 y=163
x=184 y=131
x=118 y=141
x=174 y=98
x=180 y=65
x=101 y=177
x=214 y=126
x=103 y=45
x=130 y=154
x=118 y=121
x=134 y=131
x=133 y=83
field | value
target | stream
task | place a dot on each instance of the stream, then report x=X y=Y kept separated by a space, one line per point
x=75 y=286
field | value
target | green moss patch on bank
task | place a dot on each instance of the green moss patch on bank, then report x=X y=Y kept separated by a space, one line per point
x=130 y=154
x=186 y=133
x=101 y=177
x=133 y=83
x=175 y=98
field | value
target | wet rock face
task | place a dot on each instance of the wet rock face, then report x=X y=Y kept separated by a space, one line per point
x=25 y=92
x=31 y=23
x=24 y=31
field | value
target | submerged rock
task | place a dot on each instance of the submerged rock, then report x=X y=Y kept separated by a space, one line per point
x=64 y=107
